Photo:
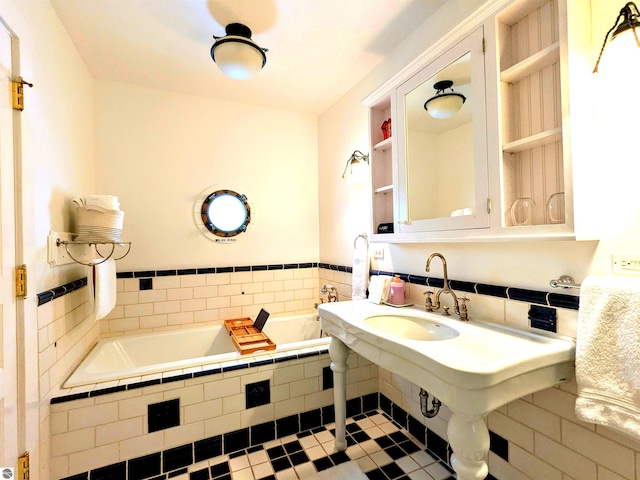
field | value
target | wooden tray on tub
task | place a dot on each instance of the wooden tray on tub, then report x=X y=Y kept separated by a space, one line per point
x=246 y=337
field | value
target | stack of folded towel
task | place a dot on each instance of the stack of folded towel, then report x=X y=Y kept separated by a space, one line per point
x=99 y=219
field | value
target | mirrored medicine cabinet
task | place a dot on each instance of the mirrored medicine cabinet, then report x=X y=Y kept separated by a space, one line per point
x=442 y=182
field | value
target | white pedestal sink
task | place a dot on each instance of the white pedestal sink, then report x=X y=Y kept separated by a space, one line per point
x=472 y=367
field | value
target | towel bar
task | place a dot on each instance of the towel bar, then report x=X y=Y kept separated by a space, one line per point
x=95 y=246
x=565 y=281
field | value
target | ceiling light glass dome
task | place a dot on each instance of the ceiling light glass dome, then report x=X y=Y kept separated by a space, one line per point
x=444 y=105
x=236 y=54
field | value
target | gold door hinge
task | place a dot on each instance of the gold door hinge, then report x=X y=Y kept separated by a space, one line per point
x=17 y=93
x=21 y=281
x=484 y=47
x=488 y=205
x=23 y=467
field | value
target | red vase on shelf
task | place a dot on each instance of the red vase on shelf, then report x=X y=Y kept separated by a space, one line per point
x=389 y=127
x=385 y=130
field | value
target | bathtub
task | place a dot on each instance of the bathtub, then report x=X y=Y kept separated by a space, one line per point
x=144 y=355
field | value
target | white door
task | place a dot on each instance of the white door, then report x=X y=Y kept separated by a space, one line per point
x=8 y=353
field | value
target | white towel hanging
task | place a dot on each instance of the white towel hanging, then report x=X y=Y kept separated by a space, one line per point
x=360 y=269
x=608 y=354
x=102 y=288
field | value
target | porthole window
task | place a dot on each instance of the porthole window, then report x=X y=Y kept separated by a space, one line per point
x=222 y=214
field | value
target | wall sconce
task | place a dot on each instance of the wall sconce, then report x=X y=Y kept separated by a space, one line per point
x=236 y=54
x=355 y=170
x=626 y=36
x=444 y=105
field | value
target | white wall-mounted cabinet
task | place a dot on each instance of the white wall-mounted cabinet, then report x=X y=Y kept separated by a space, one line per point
x=530 y=129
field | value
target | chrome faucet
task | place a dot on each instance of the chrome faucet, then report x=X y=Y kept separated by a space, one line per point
x=431 y=305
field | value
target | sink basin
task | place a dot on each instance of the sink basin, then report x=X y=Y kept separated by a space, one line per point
x=410 y=328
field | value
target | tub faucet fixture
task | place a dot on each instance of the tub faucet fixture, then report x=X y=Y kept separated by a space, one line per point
x=434 y=304
x=331 y=292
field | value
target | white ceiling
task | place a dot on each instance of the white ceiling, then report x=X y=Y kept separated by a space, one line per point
x=318 y=49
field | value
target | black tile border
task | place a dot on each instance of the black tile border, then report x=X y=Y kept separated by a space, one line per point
x=209 y=270
x=48 y=295
x=248 y=363
x=549 y=299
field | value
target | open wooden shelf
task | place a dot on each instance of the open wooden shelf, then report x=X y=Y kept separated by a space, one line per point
x=383 y=145
x=384 y=189
x=536 y=62
x=542 y=138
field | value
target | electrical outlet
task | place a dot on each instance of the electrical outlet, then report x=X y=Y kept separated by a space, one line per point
x=626 y=264
x=378 y=253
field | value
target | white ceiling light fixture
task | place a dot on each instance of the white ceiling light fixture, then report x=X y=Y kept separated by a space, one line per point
x=236 y=54
x=444 y=104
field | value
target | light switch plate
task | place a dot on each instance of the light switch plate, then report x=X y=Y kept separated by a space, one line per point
x=378 y=253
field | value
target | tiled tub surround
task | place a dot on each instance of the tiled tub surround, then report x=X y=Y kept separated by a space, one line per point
x=109 y=427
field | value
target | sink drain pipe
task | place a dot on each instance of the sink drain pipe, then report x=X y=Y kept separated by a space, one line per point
x=435 y=404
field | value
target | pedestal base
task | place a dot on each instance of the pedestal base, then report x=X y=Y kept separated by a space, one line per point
x=339 y=354
x=469 y=439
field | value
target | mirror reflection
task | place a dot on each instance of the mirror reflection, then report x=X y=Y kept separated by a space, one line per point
x=439 y=151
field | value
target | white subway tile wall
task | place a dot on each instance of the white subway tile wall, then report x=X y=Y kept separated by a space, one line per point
x=185 y=301
x=66 y=331
x=546 y=441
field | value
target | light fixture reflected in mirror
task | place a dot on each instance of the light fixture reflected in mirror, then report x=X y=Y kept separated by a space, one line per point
x=444 y=104
x=355 y=170
x=626 y=33
x=236 y=54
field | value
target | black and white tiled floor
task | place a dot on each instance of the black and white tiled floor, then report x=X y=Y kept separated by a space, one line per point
x=381 y=447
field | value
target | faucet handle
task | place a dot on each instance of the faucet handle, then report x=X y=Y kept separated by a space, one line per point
x=428 y=304
x=464 y=312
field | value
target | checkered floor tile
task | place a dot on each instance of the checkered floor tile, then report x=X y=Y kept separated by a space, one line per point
x=382 y=448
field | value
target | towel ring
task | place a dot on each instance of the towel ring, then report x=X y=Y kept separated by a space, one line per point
x=362 y=235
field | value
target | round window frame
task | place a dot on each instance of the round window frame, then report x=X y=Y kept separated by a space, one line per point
x=208 y=226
